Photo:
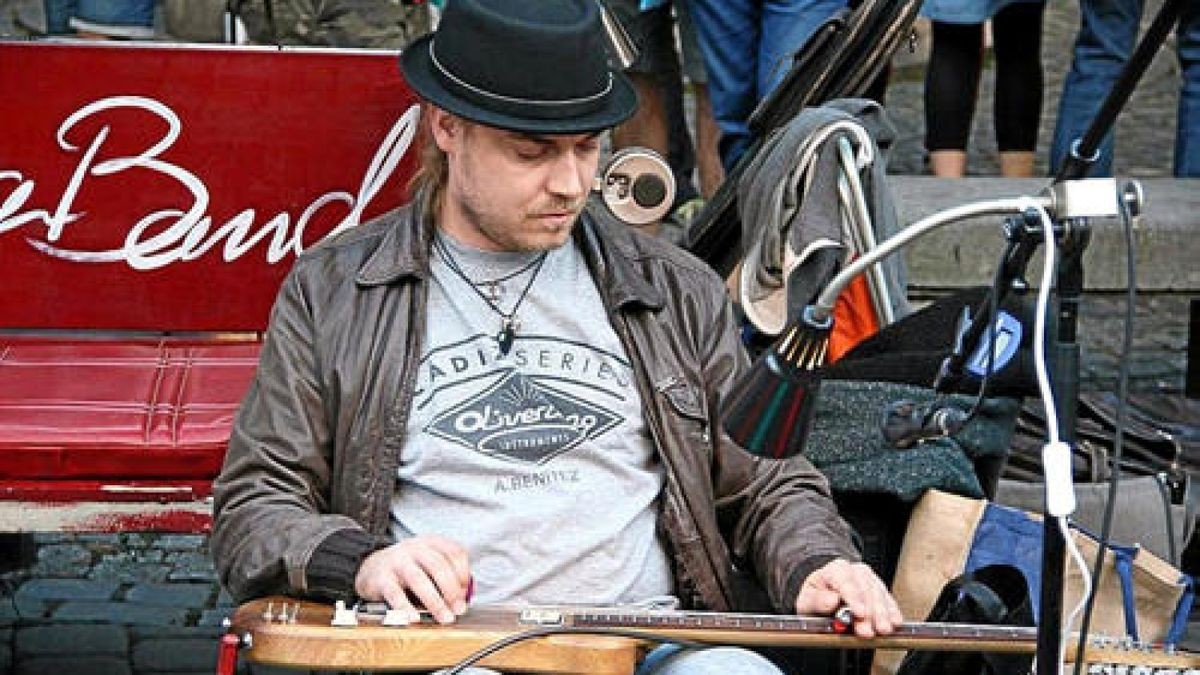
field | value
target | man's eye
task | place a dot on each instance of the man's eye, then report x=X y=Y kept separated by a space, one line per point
x=529 y=153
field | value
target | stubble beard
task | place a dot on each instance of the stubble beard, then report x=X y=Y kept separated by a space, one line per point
x=507 y=234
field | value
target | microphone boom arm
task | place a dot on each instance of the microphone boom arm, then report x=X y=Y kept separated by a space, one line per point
x=822 y=309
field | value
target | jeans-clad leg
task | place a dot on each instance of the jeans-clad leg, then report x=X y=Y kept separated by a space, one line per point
x=1107 y=34
x=115 y=18
x=746 y=46
x=671 y=659
x=58 y=16
x=1187 y=134
x=786 y=26
x=728 y=32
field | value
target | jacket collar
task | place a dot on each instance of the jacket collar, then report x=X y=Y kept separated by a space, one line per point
x=615 y=257
x=404 y=248
x=608 y=246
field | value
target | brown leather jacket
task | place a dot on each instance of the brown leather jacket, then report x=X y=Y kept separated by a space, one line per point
x=311 y=470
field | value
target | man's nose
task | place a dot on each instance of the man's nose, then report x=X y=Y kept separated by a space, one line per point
x=565 y=177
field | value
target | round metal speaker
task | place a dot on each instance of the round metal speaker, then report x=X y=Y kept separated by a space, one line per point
x=637 y=186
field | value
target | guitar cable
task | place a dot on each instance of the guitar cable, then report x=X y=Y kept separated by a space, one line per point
x=1056 y=454
x=1119 y=440
x=545 y=631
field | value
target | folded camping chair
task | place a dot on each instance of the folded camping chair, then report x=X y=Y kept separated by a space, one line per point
x=814 y=196
x=840 y=60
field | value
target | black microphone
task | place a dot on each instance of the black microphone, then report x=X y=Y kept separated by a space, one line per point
x=905 y=423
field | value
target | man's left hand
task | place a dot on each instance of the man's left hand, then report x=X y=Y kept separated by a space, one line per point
x=855 y=585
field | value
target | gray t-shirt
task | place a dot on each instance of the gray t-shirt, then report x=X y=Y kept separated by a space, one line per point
x=539 y=462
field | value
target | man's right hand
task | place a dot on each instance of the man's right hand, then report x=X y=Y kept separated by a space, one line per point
x=432 y=569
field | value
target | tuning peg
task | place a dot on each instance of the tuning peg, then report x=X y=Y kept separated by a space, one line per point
x=343 y=616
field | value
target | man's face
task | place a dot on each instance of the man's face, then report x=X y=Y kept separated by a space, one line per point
x=509 y=190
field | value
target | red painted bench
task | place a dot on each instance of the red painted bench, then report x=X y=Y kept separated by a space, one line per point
x=151 y=200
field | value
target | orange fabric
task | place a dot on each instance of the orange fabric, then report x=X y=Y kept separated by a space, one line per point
x=853 y=318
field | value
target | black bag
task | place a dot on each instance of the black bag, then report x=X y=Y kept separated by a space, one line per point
x=993 y=595
x=1162 y=435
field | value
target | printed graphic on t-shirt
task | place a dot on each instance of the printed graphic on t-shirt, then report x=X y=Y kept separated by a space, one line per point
x=523 y=420
x=525 y=407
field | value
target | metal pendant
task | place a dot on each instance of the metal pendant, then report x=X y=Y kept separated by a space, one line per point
x=506 y=336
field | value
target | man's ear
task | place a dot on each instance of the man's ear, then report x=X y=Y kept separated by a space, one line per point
x=446 y=127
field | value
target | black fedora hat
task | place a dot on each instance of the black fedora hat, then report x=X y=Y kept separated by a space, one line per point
x=523 y=65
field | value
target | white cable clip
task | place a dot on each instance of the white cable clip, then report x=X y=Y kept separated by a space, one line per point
x=1060 y=491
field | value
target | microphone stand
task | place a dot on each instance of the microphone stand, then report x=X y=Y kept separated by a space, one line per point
x=1065 y=353
x=1071 y=203
x=1024 y=236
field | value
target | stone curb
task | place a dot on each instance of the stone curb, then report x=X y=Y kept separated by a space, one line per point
x=1167 y=239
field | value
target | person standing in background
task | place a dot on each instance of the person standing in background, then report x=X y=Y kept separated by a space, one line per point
x=1107 y=33
x=372 y=24
x=952 y=81
x=747 y=47
x=101 y=19
x=668 y=62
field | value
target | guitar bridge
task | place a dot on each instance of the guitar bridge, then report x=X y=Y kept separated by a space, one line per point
x=541 y=617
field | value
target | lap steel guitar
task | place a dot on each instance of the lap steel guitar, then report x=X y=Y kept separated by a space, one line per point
x=599 y=640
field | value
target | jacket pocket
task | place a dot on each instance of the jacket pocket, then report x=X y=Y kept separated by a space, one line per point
x=687 y=403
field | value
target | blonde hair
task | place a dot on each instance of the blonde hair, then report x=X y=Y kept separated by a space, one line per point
x=433 y=168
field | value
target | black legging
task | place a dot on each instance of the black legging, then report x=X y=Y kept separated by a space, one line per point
x=952 y=79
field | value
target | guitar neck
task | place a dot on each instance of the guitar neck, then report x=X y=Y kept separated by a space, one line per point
x=819 y=632
x=805 y=631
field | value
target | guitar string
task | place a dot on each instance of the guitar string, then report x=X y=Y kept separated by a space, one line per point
x=515 y=638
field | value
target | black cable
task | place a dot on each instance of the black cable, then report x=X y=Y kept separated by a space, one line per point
x=993 y=304
x=1119 y=441
x=1164 y=491
x=532 y=633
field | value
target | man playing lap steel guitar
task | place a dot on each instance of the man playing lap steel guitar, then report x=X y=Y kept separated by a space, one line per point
x=500 y=386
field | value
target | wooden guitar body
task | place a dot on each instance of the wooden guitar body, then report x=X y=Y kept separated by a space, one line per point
x=307 y=640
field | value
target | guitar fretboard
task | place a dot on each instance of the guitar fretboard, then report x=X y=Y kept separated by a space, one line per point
x=768 y=623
